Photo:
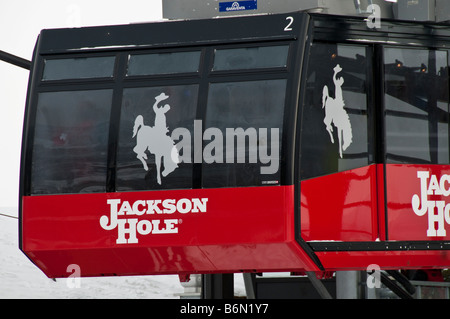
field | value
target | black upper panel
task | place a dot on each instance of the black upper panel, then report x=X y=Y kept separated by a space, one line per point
x=173 y=33
x=110 y=107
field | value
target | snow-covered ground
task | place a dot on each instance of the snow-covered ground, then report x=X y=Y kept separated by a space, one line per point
x=19 y=278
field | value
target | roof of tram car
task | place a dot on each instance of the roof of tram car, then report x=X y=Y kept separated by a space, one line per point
x=163 y=33
x=248 y=28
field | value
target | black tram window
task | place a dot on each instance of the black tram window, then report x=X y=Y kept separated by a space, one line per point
x=153 y=121
x=78 y=68
x=335 y=126
x=417 y=110
x=70 y=142
x=163 y=63
x=251 y=58
x=243 y=129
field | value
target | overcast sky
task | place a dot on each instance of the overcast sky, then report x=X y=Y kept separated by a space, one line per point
x=21 y=22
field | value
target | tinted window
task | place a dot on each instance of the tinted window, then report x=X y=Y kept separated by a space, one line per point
x=78 y=68
x=70 y=142
x=335 y=126
x=156 y=126
x=416 y=106
x=243 y=129
x=163 y=63
x=251 y=58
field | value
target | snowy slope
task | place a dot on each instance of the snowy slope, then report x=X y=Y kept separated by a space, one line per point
x=19 y=278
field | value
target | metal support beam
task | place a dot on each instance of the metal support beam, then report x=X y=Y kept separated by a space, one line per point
x=15 y=60
x=249 y=282
x=321 y=289
x=399 y=290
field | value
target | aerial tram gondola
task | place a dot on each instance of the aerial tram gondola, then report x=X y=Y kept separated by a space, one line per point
x=284 y=142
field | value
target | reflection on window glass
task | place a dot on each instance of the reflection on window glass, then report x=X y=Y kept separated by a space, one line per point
x=335 y=117
x=70 y=142
x=243 y=129
x=163 y=63
x=251 y=58
x=156 y=138
x=78 y=68
x=416 y=106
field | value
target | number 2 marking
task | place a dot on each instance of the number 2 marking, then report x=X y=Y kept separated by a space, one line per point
x=288 y=27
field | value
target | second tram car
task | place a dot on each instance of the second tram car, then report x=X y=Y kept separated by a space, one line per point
x=283 y=142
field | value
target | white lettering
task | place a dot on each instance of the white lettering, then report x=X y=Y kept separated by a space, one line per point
x=184 y=206
x=438 y=211
x=447 y=214
x=169 y=206
x=129 y=228
x=153 y=207
x=136 y=205
x=144 y=227
x=436 y=218
x=416 y=200
x=199 y=205
x=444 y=178
x=433 y=188
x=170 y=226
x=126 y=209
x=114 y=203
x=123 y=230
x=156 y=229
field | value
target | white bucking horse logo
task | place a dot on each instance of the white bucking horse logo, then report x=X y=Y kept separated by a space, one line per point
x=156 y=141
x=335 y=113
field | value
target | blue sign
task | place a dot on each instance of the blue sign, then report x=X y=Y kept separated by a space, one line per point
x=238 y=6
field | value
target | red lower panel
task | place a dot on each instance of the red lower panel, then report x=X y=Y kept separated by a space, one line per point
x=418 y=202
x=360 y=260
x=241 y=229
x=210 y=230
x=340 y=207
x=173 y=260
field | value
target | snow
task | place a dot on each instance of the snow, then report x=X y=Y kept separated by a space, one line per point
x=20 y=278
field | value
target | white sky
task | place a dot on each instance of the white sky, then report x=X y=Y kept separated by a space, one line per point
x=20 y=24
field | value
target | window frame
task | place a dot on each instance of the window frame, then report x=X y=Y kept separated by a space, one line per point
x=164 y=51
x=204 y=78
x=369 y=112
x=251 y=46
x=73 y=149
x=41 y=63
x=406 y=159
x=376 y=104
x=282 y=130
x=82 y=78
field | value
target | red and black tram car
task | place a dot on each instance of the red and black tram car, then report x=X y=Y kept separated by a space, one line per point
x=282 y=142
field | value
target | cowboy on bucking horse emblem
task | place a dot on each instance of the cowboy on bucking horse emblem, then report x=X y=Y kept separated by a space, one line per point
x=335 y=113
x=156 y=141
